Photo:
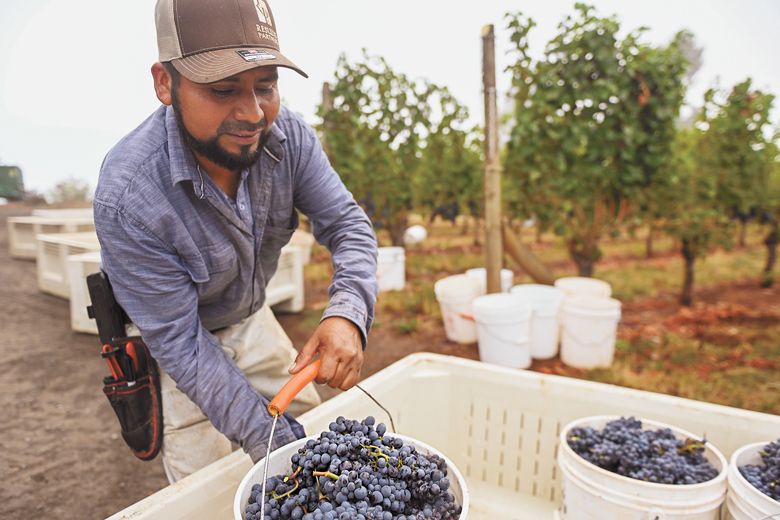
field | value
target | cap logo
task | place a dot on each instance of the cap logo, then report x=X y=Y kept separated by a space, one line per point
x=262 y=12
x=264 y=27
x=255 y=55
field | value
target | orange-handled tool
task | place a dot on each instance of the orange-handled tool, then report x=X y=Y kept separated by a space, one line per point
x=284 y=397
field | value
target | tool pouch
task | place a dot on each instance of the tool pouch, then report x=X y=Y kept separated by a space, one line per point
x=135 y=395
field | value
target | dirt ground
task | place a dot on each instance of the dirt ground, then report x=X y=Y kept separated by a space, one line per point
x=60 y=452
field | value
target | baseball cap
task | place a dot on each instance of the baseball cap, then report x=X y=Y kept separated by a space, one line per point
x=209 y=40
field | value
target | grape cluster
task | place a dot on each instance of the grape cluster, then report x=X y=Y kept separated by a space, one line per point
x=623 y=447
x=765 y=477
x=355 y=471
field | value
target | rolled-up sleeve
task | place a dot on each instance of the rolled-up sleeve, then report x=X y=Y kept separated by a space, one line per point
x=160 y=297
x=342 y=226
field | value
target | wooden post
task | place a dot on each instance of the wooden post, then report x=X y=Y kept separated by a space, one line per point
x=492 y=185
x=327 y=106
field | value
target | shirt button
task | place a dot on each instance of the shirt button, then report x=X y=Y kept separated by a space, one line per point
x=241 y=206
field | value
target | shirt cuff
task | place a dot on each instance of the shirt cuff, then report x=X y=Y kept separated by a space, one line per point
x=352 y=307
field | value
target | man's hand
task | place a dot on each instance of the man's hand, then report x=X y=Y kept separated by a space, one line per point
x=338 y=342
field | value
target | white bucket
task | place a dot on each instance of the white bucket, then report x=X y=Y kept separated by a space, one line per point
x=455 y=294
x=279 y=463
x=480 y=273
x=503 y=330
x=583 y=286
x=414 y=235
x=589 y=331
x=391 y=268
x=745 y=502
x=593 y=493
x=545 y=300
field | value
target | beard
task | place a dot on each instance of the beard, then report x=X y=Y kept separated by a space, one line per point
x=214 y=152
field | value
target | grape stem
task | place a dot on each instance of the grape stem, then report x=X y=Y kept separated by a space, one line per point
x=325 y=474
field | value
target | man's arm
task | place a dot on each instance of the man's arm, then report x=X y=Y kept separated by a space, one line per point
x=343 y=227
x=156 y=290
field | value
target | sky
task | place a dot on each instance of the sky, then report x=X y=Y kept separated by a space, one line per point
x=74 y=74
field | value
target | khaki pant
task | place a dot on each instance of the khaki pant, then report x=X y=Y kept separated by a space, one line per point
x=262 y=351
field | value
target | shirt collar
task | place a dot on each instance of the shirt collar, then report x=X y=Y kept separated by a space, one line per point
x=183 y=165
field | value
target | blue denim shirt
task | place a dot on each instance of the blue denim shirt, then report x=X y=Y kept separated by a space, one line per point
x=183 y=262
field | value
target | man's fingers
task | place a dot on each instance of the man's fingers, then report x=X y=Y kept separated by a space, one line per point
x=328 y=368
x=353 y=377
x=305 y=356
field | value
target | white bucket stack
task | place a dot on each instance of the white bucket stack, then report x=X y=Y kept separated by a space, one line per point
x=593 y=493
x=391 y=269
x=584 y=286
x=589 y=331
x=589 y=319
x=503 y=330
x=480 y=274
x=545 y=300
x=744 y=501
x=455 y=294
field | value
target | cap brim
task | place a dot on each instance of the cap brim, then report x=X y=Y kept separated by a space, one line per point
x=211 y=66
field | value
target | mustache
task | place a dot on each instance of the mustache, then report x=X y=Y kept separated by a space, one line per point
x=232 y=127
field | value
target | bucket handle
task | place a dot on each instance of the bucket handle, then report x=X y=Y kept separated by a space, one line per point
x=519 y=341
x=596 y=343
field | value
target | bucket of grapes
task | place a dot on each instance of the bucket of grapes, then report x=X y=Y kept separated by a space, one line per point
x=355 y=468
x=754 y=482
x=618 y=467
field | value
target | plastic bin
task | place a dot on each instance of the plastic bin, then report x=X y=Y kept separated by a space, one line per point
x=499 y=426
x=305 y=241
x=391 y=268
x=23 y=230
x=285 y=291
x=79 y=267
x=53 y=253
x=280 y=464
x=63 y=213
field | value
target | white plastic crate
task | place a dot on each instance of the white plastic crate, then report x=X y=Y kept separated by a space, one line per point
x=23 y=230
x=305 y=241
x=499 y=426
x=63 y=213
x=284 y=291
x=53 y=253
x=79 y=267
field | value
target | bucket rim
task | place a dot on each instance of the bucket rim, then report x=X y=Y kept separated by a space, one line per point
x=719 y=479
x=734 y=470
x=470 y=285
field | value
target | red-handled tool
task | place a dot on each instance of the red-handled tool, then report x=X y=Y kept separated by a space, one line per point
x=110 y=356
x=279 y=404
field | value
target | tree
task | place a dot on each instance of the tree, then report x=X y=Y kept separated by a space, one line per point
x=70 y=190
x=383 y=130
x=593 y=125
x=737 y=135
x=695 y=214
x=770 y=209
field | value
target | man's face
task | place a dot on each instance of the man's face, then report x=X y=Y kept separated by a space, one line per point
x=228 y=121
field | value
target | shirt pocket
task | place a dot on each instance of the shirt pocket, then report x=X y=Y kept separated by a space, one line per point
x=222 y=265
x=274 y=239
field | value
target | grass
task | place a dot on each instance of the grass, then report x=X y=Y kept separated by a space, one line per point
x=732 y=359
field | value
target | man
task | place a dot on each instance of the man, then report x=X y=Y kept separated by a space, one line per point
x=192 y=209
